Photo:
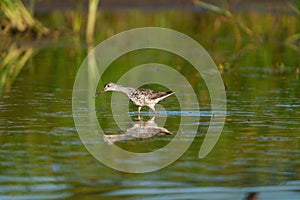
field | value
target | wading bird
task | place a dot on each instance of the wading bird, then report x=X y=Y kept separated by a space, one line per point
x=139 y=96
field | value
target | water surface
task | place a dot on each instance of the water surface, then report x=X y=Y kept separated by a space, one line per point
x=42 y=156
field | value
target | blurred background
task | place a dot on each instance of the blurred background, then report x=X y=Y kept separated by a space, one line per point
x=256 y=47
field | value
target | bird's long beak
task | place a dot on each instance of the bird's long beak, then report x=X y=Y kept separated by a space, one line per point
x=100 y=92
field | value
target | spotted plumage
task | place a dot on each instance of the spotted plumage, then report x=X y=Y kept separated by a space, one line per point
x=140 y=96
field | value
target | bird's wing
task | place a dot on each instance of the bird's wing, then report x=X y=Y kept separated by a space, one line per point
x=157 y=95
x=150 y=94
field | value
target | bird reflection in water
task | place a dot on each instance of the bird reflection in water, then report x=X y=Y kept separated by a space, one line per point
x=141 y=129
x=252 y=196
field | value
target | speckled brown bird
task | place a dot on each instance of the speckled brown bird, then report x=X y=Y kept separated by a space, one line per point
x=139 y=96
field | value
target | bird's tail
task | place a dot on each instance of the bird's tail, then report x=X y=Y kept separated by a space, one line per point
x=164 y=95
x=170 y=92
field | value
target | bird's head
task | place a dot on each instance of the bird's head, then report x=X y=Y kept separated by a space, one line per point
x=110 y=86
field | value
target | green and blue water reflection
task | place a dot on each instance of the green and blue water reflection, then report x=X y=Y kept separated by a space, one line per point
x=42 y=157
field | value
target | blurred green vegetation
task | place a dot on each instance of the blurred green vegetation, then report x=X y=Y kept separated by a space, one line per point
x=254 y=30
x=18 y=18
x=233 y=38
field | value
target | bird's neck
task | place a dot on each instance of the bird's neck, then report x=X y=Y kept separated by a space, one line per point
x=126 y=90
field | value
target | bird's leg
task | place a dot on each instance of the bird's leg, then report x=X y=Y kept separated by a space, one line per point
x=154 y=111
x=139 y=112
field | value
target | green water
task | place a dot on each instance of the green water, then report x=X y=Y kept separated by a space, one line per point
x=42 y=157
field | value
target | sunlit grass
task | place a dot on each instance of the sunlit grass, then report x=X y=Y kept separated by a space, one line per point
x=93 y=5
x=19 y=17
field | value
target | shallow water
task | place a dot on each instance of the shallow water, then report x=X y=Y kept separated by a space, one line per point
x=42 y=156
